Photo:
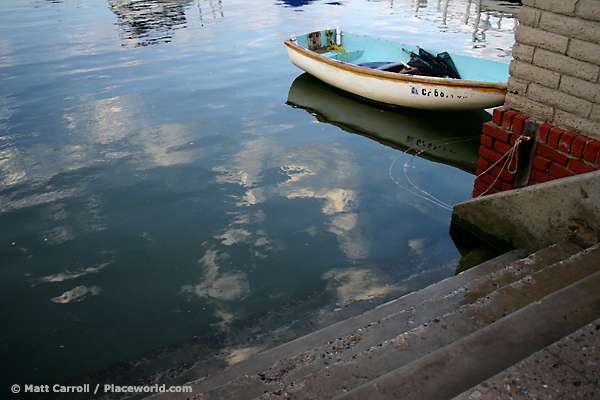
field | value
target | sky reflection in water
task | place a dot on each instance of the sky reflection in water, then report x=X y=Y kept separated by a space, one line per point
x=168 y=178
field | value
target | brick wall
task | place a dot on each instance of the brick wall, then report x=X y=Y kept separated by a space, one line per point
x=555 y=71
x=550 y=153
x=553 y=98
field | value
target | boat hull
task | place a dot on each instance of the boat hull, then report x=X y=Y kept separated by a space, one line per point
x=428 y=93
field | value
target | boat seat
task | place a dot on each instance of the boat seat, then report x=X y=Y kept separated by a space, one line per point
x=375 y=64
x=387 y=66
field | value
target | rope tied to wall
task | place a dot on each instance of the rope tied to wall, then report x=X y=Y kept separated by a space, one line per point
x=510 y=155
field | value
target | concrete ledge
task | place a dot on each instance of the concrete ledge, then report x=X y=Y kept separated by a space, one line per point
x=535 y=216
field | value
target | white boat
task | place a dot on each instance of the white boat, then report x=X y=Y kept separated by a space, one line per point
x=366 y=66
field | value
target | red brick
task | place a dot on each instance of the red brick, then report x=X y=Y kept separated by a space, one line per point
x=496 y=132
x=580 y=168
x=540 y=177
x=487 y=141
x=540 y=163
x=554 y=137
x=578 y=145
x=559 y=172
x=476 y=193
x=552 y=155
x=502 y=174
x=503 y=164
x=507 y=118
x=519 y=123
x=483 y=164
x=488 y=190
x=489 y=179
x=543 y=132
x=507 y=176
x=507 y=186
x=565 y=141
x=497 y=115
x=513 y=139
x=501 y=147
x=491 y=155
x=479 y=186
x=485 y=178
x=591 y=151
x=484 y=152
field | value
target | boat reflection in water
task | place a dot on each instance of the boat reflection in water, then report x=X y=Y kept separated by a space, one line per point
x=451 y=138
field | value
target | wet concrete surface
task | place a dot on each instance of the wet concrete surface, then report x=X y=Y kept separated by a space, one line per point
x=567 y=369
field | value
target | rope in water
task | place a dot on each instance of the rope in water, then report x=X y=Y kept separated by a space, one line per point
x=510 y=155
x=420 y=192
x=334 y=48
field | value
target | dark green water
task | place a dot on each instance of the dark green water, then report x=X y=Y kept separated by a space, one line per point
x=169 y=180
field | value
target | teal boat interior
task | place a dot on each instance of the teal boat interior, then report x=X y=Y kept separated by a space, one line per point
x=391 y=56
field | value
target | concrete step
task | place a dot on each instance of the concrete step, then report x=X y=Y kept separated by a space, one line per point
x=471 y=360
x=567 y=369
x=344 y=373
x=337 y=360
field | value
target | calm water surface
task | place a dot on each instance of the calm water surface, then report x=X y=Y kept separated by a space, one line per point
x=172 y=187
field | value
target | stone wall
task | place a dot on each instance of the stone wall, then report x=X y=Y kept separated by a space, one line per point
x=555 y=72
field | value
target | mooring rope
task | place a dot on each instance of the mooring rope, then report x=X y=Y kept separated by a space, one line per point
x=334 y=48
x=511 y=154
x=420 y=192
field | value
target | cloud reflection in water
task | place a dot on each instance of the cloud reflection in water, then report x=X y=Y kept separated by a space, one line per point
x=218 y=287
x=77 y=294
x=305 y=173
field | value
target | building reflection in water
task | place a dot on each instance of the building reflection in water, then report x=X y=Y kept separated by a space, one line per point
x=146 y=22
x=481 y=15
x=212 y=8
x=488 y=10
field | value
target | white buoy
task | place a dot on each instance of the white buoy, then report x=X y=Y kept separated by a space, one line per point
x=338 y=36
